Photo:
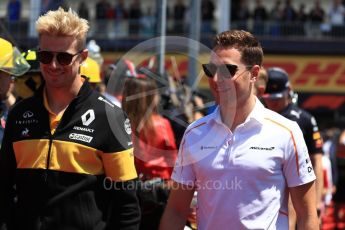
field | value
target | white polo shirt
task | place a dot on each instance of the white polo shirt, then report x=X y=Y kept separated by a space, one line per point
x=241 y=177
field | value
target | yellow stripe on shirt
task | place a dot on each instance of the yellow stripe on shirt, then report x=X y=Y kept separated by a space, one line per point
x=75 y=158
x=64 y=156
x=119 y=166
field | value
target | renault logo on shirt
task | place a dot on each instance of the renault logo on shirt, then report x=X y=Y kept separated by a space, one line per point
x=88 y=117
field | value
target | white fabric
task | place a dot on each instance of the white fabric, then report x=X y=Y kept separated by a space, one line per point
x=241 y=177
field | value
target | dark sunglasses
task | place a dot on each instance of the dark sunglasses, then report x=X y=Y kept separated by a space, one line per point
x=64 y=58
x=225 y=70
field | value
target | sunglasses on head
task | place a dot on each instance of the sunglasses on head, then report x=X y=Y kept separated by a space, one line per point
x=63 y=58
x=225 y=70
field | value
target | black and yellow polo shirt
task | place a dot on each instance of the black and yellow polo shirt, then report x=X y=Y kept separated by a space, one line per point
x=69 y=177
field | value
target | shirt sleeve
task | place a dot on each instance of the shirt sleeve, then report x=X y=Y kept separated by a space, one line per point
x=124 y=212
x=119 y=166
x=117 y=156
x=297 y=167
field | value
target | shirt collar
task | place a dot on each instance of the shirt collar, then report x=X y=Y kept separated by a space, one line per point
x=257 y=114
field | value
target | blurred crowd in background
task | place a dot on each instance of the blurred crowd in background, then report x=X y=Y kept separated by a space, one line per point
x=139 y=18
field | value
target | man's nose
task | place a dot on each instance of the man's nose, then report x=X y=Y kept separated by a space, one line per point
x=54 y=63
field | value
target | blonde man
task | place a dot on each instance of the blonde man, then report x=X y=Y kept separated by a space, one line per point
x=71 y=168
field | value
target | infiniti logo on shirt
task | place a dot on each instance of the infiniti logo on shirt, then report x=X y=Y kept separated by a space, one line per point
x=28 y=114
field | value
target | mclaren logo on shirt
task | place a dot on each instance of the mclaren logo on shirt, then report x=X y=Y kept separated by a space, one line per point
x=261 y=148
x=88 y=117
x=80 y=137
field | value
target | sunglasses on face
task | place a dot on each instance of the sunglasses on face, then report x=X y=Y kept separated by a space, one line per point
x=224 y=70
x=63 y=58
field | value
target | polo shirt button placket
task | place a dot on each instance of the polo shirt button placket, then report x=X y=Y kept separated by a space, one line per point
x=229 y=147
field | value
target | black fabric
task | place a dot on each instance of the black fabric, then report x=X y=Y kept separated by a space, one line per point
x=153 y=195
x=308 y=125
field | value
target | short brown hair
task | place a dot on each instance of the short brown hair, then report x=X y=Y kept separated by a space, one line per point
x=243 y=41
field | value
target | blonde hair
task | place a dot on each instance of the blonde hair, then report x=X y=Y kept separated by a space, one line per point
x=63 y=23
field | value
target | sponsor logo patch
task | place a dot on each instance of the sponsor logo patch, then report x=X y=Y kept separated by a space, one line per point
x=207 y=147
x=261 y=148
x=80 y=137
x=26 y=122
x=28 y=114
x=88 y=117
x=83 y=129
x=25 y=132
x=127 y=125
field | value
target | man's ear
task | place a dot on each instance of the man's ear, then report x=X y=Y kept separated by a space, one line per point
x=84 y=54
x=255 y=72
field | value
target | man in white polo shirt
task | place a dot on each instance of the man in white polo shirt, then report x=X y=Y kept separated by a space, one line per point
x=242 y=159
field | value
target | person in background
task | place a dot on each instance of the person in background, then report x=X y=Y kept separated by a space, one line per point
x=328 y=165
x=115 y=77
x=14 y=8
x=91 y=70
x=279 y=98
x=260 y=17
x=179 y=13
x=260 y=83
x=155 y=151
x=207 y=16
x=27 y=84
x=134 y=15
x=67 y=149
x=102 y=8
x=242 y=177
x=339 y=196
x=154 y=145
x=83 y=10
x=12 y=64
x=120 y=15
x=317 y=13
